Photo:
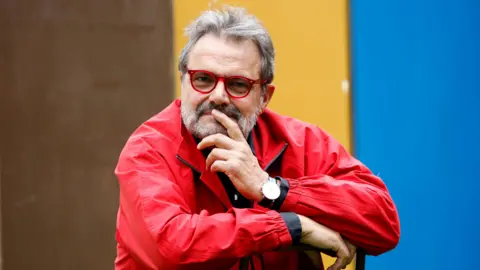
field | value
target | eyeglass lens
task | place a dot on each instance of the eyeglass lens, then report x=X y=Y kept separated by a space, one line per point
x=205 y=82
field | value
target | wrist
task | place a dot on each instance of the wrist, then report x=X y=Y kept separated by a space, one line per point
x=271 y=192
x=304 y=223
x=258 y=190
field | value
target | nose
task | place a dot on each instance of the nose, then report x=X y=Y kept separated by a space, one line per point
x=219 y=95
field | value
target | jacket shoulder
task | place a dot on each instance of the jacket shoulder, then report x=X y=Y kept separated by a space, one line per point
x=294 y=128
x=161 y=130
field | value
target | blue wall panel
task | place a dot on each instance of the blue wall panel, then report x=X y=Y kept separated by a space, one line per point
x=416 y=114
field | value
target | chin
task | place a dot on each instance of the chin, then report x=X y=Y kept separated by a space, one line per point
x=203 y=130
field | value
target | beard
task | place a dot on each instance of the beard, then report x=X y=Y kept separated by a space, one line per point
x=201 y=124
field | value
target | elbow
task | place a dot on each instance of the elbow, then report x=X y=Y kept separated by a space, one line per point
x=387 y=238
x=158 y=257
x=392 y=234
x=395 y=234
x=391 y=239
x=164 y=253
x=145 y=251
x=172 y=254
x=383 y=246
x=389 y=228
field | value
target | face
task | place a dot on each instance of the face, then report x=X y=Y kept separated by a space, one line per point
x=222 y=57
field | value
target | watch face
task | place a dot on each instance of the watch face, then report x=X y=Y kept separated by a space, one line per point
x=271 y=190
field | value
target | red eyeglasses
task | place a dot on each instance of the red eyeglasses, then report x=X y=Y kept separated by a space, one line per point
x=236 y=86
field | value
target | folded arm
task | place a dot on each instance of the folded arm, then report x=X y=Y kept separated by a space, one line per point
x=343 y=194
x=160 y=230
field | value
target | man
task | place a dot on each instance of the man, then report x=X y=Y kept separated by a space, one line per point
x=218 y=181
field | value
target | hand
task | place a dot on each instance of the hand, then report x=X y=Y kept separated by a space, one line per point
x=234 y=157
x=319 y=236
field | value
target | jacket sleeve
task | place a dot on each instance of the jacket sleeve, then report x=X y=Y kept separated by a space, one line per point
x=161 y=232
x=341 y=193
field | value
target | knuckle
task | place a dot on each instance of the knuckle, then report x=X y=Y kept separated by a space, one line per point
x=215 y=152
x=227 y=165
x=243 y=150
x=347 y=254
x=337 y=238
x=235 y=164
x=213 y=166
x=231 y=167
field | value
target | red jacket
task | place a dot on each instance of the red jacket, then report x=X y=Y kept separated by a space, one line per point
x=174 y=214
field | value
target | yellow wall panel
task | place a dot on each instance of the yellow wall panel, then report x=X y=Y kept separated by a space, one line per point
x=311 y=43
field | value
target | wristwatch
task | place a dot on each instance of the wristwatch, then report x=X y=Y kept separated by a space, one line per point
x=271 y=191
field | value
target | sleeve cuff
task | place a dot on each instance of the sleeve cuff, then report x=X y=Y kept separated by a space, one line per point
x=294 y=226
x=292 y=199
x=284 y=188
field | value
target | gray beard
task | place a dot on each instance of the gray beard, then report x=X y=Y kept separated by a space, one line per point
x=190 y=119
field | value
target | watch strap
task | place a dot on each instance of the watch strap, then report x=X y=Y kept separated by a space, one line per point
x=284 y=188
x=266 y=202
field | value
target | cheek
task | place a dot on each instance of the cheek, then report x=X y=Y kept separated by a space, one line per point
x=192 y=97
x=251 y=104
x=246 y=107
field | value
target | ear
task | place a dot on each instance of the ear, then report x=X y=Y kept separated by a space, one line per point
x=268 y=95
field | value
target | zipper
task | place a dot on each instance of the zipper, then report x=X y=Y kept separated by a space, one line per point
x=248 y=260
x=188 y=164
x=276 y=157
x=266 y=168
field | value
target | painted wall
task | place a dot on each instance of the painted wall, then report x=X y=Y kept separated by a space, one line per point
x=417 y=123
x=310 y=38
x=76 y=79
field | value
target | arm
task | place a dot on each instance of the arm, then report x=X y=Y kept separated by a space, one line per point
x=232 y=156
x=342 y=194
x=160 y=230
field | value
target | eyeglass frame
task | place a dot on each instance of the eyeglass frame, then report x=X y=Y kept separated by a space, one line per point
x=223 y=78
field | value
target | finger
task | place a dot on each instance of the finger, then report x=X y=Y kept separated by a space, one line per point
x=220 y=166
x=342 y=256
x=218 y=154
x=340 y=263
x=315 y=258
x=352 y=249
x=233 y=130
x=218 y=140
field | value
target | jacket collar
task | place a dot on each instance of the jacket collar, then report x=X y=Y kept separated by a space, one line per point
x=194 y=158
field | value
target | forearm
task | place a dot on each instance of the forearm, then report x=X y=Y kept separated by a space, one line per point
x=192 y=239
x=361 y=212
x=160 y=230
x=231 y=235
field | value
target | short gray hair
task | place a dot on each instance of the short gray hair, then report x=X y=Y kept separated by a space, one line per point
x=236 y=23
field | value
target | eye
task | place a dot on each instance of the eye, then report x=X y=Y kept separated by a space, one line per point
x=238 y=83
x=203 y=78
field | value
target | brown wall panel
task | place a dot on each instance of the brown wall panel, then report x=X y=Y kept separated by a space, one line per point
x=76 y=78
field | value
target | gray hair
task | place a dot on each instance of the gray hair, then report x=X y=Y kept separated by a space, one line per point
x=236 y=23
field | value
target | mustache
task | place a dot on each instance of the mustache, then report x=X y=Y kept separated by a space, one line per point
x=228 y=109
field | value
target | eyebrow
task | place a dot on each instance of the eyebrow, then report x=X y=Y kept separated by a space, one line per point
x=230 y=74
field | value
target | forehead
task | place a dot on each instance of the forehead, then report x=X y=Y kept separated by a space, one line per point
x=225 y=56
